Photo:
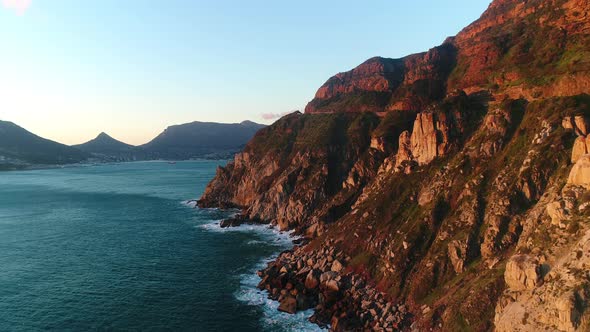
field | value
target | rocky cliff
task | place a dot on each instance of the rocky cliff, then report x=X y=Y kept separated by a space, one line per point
x=445 y=191
x=529 y=48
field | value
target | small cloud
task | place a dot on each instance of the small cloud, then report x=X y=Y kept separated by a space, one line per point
x=19 y=6
x=272 y=116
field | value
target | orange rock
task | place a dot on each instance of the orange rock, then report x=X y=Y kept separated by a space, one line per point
x=423 y=140
x=580 y=173
x=580 y=148
x=581 y=125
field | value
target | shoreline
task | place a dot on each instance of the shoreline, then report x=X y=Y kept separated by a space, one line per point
x=319 y=286
x=249 y=291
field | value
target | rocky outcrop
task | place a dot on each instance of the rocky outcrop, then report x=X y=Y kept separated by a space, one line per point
x=580 y=126
x=580 y=173
x=505 y=51
x=559 y=303
x=522 y=272
x=423 y=231
x=462 y=205
x=579 y=149
x=430 y=138
x=296 y=185
x=382 y=84
x=301 y=279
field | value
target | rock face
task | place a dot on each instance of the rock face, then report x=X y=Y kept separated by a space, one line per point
x=295 y=185
x=581 y=125
x=428 y=219
x=432 y=136
x=382 y=84
x=580 y=173
x=522 y=272
x=579 y=149
x=559 y=303
x=510 y=38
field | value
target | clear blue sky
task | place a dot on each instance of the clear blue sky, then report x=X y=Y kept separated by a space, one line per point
x=70 y=69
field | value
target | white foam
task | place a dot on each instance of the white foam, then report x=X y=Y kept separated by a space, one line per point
x=272 y=319
x=192 y=203
x=268 y=233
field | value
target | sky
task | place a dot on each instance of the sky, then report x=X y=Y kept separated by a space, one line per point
x=70 y=69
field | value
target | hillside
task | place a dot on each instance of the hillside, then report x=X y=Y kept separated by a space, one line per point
x=19 y=148
x=106 y=147
x=201 y=139
x=445 y=191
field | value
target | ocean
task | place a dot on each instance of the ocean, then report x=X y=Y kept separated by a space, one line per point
x=121 y=247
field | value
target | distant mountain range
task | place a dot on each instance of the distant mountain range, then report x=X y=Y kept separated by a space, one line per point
x=20 y=148
x=201 y=139
x=108 y=148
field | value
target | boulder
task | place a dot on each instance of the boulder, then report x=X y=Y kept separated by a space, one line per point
x=311 y=281
x=581 y=125
x=523 y=272
x=231 y=222
x=580 y=148
x=557 y=213
x=337 y=266
x=580 y=173
x=288 y=305
x=333 y=285
x=327 y=276
x=567 y=123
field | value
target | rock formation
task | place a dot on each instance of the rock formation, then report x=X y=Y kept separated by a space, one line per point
x=436 y=192
x=580 y=174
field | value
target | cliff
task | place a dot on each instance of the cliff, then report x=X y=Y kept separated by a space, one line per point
x=534 y=48
x=444 y=191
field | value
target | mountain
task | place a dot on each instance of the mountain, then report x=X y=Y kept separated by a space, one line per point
x=534 y=49
x=201 y=139
x=106 y=147
x=19 y=148
x=444 y=191
x=180 y=142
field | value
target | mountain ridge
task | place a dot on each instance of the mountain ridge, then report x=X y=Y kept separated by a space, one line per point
x=530 y=48
x=19 y=147
x=445 y=191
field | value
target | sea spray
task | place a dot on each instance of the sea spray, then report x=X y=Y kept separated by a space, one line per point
x=272 y=319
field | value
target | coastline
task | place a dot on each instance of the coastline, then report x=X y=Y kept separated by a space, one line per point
x=319 y=286
x=250 y=292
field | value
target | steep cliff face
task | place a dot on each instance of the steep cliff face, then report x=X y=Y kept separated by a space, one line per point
x=380 y=84
x=534 y=49
x=467 y=210
x=297 y=172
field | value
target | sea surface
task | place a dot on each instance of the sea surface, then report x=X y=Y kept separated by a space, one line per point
x=121 y=247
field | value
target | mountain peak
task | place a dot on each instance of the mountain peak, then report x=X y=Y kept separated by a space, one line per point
x=103 y=135
x=103 y=143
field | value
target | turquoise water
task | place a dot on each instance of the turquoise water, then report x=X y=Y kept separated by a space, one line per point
x=117 y=247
